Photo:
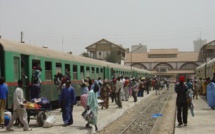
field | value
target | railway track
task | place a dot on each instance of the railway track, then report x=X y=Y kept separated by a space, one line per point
x=144 y=123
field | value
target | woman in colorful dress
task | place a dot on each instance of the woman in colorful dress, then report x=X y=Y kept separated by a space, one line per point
x=105 y=91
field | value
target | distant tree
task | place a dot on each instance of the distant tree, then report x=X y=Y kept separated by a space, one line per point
x=113 y=57
x=85 y=54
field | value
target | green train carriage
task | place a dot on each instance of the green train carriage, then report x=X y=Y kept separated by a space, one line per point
x=17 y=59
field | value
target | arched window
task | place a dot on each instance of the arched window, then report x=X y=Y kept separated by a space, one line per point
x=189 y=66
x=163 y=65
x=139 y=66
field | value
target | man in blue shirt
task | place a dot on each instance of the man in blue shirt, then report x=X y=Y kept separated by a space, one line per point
x=67 y=100
x=3 y=98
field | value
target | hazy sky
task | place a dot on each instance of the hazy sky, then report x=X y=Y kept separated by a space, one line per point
x=75 y=24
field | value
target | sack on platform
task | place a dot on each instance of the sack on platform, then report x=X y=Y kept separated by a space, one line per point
x=88 y=115
x=50 y=121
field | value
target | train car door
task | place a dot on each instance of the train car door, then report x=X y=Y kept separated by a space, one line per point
x=2 y=74
x=104 y=71
x=25 y=75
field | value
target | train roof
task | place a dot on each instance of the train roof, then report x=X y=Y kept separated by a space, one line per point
x=28 y=49
x=202 y=65
x=211 y=61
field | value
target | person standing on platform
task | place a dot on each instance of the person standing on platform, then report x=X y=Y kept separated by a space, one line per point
x=200 y=85
x=147 y=85
x=92 y=104
x=126 y=89
x=18 y=108
x=141 y=87
x=35 y=90
x=167 y=83
x=153 y=83
x=118 y=92
x=122 y=89
x=211 y=94
x=204 y=85
x=195 y=89
x=84 y=93
x=3 y=99
x=135 y=87
x=181 y=101
x=105 y=91
x=67 y=100
x=113 y=88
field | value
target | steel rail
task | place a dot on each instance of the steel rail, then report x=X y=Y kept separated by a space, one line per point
x=154 y=126
x=146 y=108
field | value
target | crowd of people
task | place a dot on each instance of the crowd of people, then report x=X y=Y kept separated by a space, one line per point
x=96 y=93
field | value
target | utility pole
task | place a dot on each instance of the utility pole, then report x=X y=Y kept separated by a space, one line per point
x=131 y=59
x=62 y=43
x=22 y=37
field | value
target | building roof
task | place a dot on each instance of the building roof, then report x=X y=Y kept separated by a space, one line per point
x=164 y=51
x=172 y=72
x=108 y=42
x=181 y=57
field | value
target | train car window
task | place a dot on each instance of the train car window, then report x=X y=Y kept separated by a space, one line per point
x=35 y=63
x=58 y=68
x=48 y=70
x=92 y=72
x=67 y=70
x=101 y=73
x=112 y=71
x=87 y=71
x=97 y=72
x=16 y=68
x=82 y=72
x=75 y=74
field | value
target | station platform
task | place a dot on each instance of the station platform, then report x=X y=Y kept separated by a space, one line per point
x=202 y=122
x=105 y=117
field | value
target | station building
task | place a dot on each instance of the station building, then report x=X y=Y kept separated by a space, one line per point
x=166 y=62
x=102 y=48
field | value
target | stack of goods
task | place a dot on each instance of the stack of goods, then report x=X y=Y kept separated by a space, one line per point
x=30 y=105
x=43 y=102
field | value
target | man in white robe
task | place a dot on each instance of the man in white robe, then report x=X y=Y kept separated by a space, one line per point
x=19 y=109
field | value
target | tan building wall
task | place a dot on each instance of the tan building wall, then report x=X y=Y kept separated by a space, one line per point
x=171 y=61
x=102 y=48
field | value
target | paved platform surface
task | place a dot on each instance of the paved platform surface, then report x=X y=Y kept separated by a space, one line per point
x=105 y=117
x=202 y=123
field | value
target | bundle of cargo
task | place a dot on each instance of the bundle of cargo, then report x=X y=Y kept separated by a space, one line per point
x=43 y=102
x=30 y=105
